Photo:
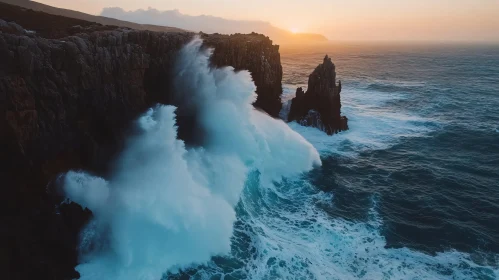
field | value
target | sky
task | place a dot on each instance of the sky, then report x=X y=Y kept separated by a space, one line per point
x=382 y=20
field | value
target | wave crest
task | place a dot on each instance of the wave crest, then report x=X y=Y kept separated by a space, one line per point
x=168 y=206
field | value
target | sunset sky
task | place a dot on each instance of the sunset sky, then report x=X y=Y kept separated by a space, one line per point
x=442 y=20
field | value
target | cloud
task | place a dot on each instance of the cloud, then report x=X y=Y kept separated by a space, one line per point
x=205 y=23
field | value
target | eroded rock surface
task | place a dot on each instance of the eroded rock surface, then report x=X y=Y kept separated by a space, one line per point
x=320 y=106
x=67 y=102
x=256 y=53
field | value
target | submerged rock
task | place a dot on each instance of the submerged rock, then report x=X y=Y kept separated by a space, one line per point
x=320 y=106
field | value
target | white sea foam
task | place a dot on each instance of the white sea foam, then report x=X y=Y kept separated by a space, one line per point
x=373 y=125
x=167 y=206
x=295 y=239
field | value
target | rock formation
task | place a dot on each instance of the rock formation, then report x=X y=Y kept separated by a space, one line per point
x=320 y=106
x=68 y=93
x=66 y=104
x=256 y=53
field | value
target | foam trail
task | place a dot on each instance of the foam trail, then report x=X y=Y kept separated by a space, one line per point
x=167 y=206
x=374 y=125
x=294 y=238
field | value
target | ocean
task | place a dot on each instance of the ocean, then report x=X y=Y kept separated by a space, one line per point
x=422 y=154
x=424 y=142
x=411 y=191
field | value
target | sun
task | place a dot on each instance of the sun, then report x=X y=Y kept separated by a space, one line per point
x=294 y=30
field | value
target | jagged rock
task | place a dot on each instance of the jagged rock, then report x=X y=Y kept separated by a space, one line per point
x=299 y=93
x=67 y=103
x=320 y=106
x=256 y=53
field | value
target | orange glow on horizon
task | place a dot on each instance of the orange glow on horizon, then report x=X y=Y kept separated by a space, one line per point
x=360 y=20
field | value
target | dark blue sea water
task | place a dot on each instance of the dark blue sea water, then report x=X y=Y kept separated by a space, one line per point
x=436 y=172
x=423 y=149
x=411 y=191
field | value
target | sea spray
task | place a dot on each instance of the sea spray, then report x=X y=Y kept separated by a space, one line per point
x=168 y=206
x=157 y=214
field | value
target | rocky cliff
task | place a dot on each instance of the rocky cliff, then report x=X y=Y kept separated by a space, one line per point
x=68 y=93
x=66 y=104
x=256 y=53
x=320 y=106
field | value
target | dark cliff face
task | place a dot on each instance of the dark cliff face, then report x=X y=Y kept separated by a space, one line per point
x=67 y=103
x=320 y=106
x=256 y=53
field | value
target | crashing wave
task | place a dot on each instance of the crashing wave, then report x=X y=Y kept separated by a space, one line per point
x=167 y=206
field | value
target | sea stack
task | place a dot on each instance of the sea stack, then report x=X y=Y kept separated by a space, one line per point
x=320 y=106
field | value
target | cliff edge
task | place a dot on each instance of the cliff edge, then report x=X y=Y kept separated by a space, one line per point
x=256 y=53
x=69 y=90
x=66 y=104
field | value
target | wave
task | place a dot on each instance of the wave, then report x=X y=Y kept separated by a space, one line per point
x=238 y=204
x=373 y=123
x=284 y=233
x=394 y=86
x=168 y=206
x=298 y=240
